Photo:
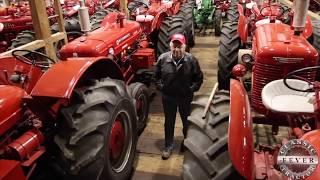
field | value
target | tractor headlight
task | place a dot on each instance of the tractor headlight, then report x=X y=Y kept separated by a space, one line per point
x=246 y=58
x=1 y=26
x=111 y=51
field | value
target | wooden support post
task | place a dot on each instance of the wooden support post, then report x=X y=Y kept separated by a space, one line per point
x=5 y=3
x=58 y=11
x=41 y=25
x=42 y=29
x=123 y=6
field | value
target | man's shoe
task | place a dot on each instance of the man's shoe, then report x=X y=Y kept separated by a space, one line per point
x=166 y=153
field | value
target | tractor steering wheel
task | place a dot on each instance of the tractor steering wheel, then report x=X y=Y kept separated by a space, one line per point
x=280 y=11
x=33 y=61
x=293 y=74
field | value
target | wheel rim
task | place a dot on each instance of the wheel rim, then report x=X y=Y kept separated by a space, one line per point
x=141 y=108
x=120 y=142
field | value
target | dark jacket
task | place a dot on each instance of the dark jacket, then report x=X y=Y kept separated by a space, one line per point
x=179 y=80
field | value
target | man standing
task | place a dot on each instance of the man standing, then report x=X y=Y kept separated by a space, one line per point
x=178 y=76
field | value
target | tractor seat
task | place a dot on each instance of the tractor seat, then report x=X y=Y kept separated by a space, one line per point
x=266 y=21
x=144 y=18
x=279 y=98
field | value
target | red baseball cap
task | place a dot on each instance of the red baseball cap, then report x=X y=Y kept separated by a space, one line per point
x=178 y=37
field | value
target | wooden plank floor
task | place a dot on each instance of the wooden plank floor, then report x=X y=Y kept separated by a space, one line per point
x=149 y=165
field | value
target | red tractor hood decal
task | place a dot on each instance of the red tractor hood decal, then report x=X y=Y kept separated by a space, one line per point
x=98 y=42
x=10 y=105
x=277 y=44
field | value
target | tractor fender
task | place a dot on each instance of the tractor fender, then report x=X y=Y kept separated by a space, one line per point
x=242 y=24
x=240 y=137
x=308 y=30
x=312 y=137
x=60 y=79
x=240 y=9
x=243 y=28
x=11 y=169
x=156 y=23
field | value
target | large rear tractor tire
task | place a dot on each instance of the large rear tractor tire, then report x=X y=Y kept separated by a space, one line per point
x=139 y=92
x=217 y=22
x=71 y=25
x=170 y=26
x=315 y=41
x=315 y=38
x=98 y=17
x=186 y=11
x=97 y=138
x=228 y=53
x=233 y=13
x=24 y=37
x=206 y=154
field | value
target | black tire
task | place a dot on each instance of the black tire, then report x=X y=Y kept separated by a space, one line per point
x=206 y=154
x=315 y=41
x=186 y=11
x=228 y=53
x=24 y=37
x=233 y=13
x=98 y=17
x=87 y=125
x=139 y=92
x=217 y=22
x=315 y=38
x=71 y=24
x=170 y=25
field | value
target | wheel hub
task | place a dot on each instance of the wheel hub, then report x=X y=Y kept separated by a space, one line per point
x=117 y=140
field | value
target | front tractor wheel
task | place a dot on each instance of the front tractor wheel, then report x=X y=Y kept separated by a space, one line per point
x=228 y=53
x=217 y=22
x=206 y=155
x=98 y=133
x=139 y=92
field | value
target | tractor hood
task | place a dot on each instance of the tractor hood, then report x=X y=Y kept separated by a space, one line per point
x=276 y=44
x=11 y=23
x=98 y=42
x=10 y=106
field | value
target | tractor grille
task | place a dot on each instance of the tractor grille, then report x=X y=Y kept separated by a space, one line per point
x=265 y=73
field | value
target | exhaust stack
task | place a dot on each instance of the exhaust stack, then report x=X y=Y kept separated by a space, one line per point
x=84 y=18
x=300 y=15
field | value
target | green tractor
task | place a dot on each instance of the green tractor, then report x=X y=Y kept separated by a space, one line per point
x=209 y=14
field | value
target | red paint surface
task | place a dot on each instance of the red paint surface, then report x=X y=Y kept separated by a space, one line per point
x=240 y=142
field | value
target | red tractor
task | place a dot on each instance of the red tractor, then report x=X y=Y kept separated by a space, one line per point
x=14 y=19
x=80 y=118
x=134 y=43
x=74 y=119
x=238 y=35
x=220 y=142
x=18 y=26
